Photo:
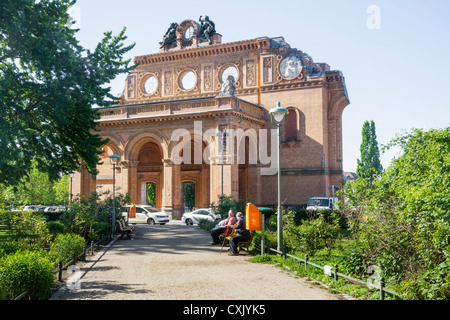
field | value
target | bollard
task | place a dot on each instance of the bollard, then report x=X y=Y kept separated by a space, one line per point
x=84 y=253
x=306 y=262
x=74 y=261
x=92 y=247
x=335 y=272
x=284 y=253
x=381 y=288
x=60 y=271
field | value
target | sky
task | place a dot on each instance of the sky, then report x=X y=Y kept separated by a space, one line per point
x=393 y=54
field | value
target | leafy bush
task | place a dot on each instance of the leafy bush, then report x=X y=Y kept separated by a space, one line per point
x=85 y=211
x=226 y=203
x=28 y=271
x=55 y=228
x=100 y=229
x=65 y=245
x=7 y=248
x=313 y=234
x=30 y=229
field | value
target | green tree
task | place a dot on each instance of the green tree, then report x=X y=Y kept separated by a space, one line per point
x=151 y=193
x=189 y=194
x=402 y=222
x=369 y=165
x=36 y=188
x=49 y=85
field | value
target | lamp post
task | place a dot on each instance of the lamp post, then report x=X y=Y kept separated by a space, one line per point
x=222 y=136
x=71 y=174
x=114 y=158
x=278 y=115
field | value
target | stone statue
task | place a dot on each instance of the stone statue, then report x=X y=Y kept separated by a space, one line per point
x=208 y=28
x=228 y=88
x=170 y=36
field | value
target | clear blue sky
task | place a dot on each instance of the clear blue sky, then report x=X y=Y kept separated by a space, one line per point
x=397 y=75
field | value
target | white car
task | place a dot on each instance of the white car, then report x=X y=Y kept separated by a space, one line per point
x=195 y=216
x=322 y=203
x=147 y=214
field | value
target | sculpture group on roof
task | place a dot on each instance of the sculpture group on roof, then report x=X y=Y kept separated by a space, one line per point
x=207 y=29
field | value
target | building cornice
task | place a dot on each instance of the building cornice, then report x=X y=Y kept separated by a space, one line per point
x=198 y=52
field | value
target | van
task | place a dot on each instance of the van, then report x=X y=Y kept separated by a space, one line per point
x=322 y=203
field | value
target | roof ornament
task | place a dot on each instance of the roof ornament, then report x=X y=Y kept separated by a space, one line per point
x=170 y=36
x=208 y=28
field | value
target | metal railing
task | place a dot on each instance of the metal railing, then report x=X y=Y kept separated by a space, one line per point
x=331 y=270
x=334 y=271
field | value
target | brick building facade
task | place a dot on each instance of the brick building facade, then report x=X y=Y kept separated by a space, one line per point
x=180 y=91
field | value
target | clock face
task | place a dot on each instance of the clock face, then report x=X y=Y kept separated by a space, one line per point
x=290 y=67
x=151 y=84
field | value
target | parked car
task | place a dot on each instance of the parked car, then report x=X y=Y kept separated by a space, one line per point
x=147 y=214
x=195 y=216
x=322 y=203
x=54 y=209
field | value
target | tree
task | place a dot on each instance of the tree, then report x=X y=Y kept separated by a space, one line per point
x=369 y=165
x=49 y=85
x=402 y=221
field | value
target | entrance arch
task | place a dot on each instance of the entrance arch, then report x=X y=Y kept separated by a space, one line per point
x=150 y=171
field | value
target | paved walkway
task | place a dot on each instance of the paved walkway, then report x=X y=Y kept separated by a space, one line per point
x=177 y=262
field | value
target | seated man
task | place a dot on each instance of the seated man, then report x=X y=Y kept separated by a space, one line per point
x=242 y=234
x=225 y=228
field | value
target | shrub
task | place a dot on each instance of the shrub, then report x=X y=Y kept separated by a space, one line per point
x=55 y=228
x=312 y=235
x=7 y=248
x=65 y=245
x=28 y=271
x=30 y=229
x=100 y=229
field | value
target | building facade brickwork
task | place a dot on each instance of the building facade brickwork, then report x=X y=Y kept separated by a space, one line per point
x=181 y=89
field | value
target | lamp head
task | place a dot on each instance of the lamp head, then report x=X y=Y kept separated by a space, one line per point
x=71 y=174
x=114 y=158
x=278 y=113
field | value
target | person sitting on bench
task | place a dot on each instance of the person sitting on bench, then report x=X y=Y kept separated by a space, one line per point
x=242 y=234
x=218 y=230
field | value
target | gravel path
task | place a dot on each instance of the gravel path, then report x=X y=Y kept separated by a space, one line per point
x=177 y=262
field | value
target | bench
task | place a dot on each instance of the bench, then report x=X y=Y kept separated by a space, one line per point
x=226 y=238
x=123 y=229
x=246 y=243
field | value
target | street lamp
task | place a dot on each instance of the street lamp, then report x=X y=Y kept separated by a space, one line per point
x=71 y=174
x=114 y=158
x=278 y=115
x=222 y=136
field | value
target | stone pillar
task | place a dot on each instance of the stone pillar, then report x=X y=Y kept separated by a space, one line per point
x=83 y=184
x=171 y=192
x=133 y=189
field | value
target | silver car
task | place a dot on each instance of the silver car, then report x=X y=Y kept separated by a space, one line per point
x=147 y=214
x=195 y=216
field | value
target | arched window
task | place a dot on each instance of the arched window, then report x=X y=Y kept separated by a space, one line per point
x=291 y=125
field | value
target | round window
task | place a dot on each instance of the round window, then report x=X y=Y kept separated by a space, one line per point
x=230 y=71
x=189 y=80
x=151 y=84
